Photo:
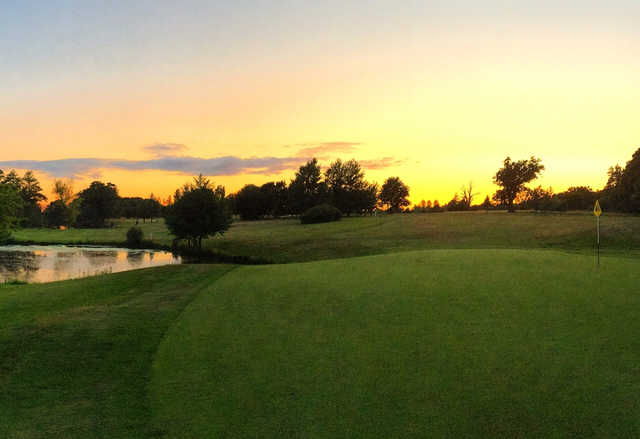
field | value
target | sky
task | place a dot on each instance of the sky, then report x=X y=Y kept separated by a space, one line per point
x=146 y=94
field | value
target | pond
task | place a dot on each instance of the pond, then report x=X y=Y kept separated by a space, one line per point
x=30 y=263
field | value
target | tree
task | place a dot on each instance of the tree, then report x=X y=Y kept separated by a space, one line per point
x=344 y=181
x=393 y=194
x=63 y=190
x=58 y=214
x=579 y=198
x=274 y=198
x=250 y=202
x=513 y=176
x=628 y=187
x=10 y=209
x=198 y=212
x=97 y=203
x=32 y=196
x=307 y=189
x=486 y=204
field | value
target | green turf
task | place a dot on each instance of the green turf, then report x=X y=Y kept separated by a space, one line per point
x=444 y=343
x=75 y=356
x=288 y=241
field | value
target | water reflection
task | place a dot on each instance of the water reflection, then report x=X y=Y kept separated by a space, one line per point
x=51 y=263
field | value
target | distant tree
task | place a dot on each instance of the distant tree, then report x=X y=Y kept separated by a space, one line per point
x=198 y=212
x=307 y=188
x=456 y=204
x=467 y=196
x=58 y=214
x=393 y=194
x=32 y=196
x=612 y=193
x=536 y=199
x=97 y=203
x=63 y=191
x=10 y=209
x=628 y=187
x=274 y=198
x=579 y=198
x=436 y=206
x=250 y=202
x=486 y=204
x=512 y=177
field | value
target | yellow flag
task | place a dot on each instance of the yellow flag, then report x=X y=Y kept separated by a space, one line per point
x=597 y=210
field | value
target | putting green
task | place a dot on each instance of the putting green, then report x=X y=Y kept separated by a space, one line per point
x=486 y=343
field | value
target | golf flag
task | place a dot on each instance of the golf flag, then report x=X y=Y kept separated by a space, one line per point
x=597 y=210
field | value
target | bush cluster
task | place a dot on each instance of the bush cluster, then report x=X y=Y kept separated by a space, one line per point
x=135 y=237
x=322 y=213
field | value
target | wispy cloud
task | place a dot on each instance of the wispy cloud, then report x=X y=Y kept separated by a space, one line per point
x=218 y=166
x=325 y=149
x=167 y=158
x=385 y=162
x=165 y=149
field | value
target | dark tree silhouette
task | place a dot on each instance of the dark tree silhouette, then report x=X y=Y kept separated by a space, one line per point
x=512 y=177
x=10 y=209
x=198 y=211
x=393 y=194
x=97 y=203
x=250 y=202
x=307 y=188
x=628 y=188
x=348 y=190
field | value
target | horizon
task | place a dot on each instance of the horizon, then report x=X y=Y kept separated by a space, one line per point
x=147 y=95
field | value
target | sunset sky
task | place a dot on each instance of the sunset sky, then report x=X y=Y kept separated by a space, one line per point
x=147 y=93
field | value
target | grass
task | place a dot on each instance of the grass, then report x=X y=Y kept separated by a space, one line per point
x=75 y=356
x=445 y=343
x=287 y=240
x=454 y=325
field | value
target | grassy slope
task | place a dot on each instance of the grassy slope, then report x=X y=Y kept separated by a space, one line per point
x=485 y=343
x=75 y=356
x=289 y=241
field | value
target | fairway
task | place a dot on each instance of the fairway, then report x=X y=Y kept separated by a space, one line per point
x=455 y=343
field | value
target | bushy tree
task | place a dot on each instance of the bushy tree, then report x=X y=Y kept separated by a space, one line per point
x=250 y=202
x=394 y=195
x=198 y=212
x=97 y=203
x=274 y=198
x=58 y=214
x=512 y=177
x=579 y=198
x=30 y=192
x=10 y=209
x=628 y=187
x=307 y=188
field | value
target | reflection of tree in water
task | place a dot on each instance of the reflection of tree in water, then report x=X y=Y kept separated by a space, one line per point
x=98 y=258
x=63 y=261
x=18 y=264
x=135 y=258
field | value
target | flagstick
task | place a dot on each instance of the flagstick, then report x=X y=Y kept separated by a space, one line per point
x=598 y=227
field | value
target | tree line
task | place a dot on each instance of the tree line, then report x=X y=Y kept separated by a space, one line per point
x=341 y=186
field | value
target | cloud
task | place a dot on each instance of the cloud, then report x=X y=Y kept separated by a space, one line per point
x=165 y=149
x=218 y=166
x=385 y=162
x=321 y=150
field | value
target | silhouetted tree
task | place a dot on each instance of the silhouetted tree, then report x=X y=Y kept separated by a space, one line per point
x=198 y=212
x=512 y=177
x=467 y=196
x=274 y=198
x=10 y=209
x=250 y=202
x=486 y=204
x=393 y=194
x=307 y=188
x=628 y=186
x=579 y=198
x=97 y=203
x=58 y=214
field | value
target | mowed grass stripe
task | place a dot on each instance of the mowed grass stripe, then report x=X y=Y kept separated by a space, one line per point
x=75 y=356
x=457 y=343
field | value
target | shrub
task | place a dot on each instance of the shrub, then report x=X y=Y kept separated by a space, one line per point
x=134 y=237
x=322 y=213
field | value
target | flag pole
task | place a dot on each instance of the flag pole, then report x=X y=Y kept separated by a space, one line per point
x=598 y=227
